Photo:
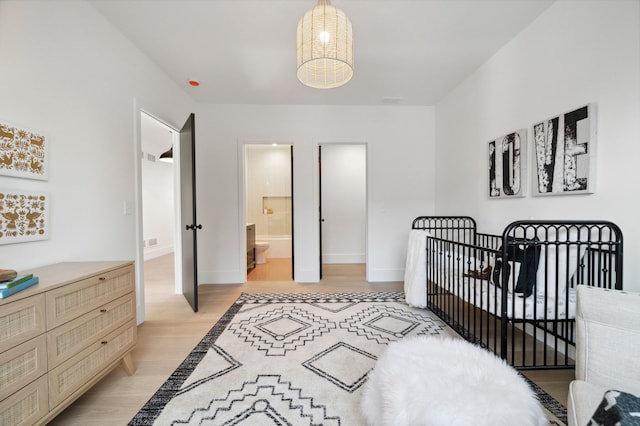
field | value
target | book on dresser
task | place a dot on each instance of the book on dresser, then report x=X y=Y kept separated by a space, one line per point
x=15 y=281
x=16 y=285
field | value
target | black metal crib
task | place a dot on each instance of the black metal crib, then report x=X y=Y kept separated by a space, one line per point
x=514 y=293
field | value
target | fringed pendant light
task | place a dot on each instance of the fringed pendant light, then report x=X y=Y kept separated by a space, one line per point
x=324 y=47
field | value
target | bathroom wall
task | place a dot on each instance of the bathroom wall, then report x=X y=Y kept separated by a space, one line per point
x=268 y=194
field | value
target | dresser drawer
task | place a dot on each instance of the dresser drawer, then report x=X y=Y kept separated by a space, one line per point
x=79 y=370
x=26 y=406
x=22 y=364
x=71 y=301
x=21 y=320
x=70 y=338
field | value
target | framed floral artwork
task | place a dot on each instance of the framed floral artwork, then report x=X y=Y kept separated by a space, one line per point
x=23 y=152
x=24 y=216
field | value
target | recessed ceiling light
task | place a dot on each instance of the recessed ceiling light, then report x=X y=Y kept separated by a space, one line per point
x=194 y=83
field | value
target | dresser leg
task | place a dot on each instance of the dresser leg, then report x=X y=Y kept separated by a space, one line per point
x=127 y=363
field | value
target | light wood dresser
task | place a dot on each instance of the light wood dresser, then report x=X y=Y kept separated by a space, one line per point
x=61 y=336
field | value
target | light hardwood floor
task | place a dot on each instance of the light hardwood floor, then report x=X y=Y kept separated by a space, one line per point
x=172 y=329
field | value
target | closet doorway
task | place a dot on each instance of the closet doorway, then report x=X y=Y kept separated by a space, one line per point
x=343 y=210
x=268 y=177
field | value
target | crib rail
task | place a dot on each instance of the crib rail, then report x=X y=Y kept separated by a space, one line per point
x=489 y=241
x=453 y=228
x=601 y=240
x=454 y=273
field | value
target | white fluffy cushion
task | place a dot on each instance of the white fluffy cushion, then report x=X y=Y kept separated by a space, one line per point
x=449 y=382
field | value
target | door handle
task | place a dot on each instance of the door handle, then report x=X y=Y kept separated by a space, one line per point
x=194 y=227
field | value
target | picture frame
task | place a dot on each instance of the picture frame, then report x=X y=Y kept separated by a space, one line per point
x=564 y=149
x=24 y=216
x=23 y=152
x=507 y=166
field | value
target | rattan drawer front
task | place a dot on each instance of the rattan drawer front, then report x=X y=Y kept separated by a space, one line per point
x=22 y=364
x=80 y=369
x=26 y=406
x=71 y=301
x=70 y=338
x=21 y=320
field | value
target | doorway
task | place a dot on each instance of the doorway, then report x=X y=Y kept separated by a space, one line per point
x=167 y=207
x=158 y=191
x=157 y=212
x=343 y=210
x=268 y=196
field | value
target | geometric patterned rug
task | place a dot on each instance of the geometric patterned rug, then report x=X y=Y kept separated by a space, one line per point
x=290 y=359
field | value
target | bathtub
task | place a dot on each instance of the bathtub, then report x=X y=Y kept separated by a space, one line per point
x=279 y=245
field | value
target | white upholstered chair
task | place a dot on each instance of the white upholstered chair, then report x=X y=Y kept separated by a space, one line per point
x=607 y=349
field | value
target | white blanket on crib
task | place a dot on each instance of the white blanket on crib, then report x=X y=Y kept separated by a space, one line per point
x=483 y=294
x=452 y=267
x=415 y=272
x=415 y=282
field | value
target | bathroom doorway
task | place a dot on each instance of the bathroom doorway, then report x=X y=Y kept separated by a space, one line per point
x=343 y=210
x=268 y=180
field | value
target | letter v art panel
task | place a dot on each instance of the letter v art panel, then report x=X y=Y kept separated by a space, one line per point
x=564 y=150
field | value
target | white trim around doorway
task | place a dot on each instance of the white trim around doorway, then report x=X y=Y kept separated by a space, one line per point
x=242 y=207
x=316 y=193
x=139 y=226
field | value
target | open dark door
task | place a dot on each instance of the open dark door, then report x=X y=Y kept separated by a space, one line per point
x=320 y=203
x=293 y=256
x=188 y=212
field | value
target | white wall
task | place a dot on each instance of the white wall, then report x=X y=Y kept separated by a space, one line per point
x=344 y=203
x=400 y=149
x=71 y=74
x=75 y=77
x=575 y=53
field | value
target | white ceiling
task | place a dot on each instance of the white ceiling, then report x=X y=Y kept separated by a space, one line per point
x=410 y=52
